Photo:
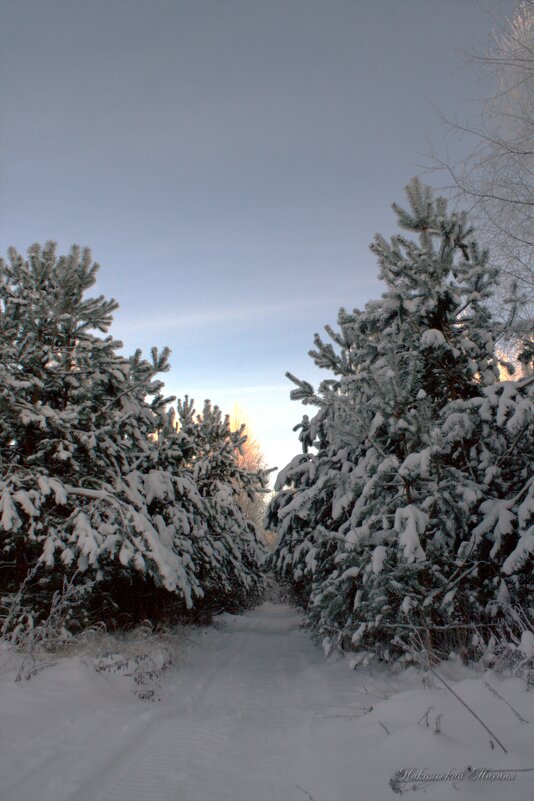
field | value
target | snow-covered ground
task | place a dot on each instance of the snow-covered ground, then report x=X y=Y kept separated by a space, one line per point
x=252 y=710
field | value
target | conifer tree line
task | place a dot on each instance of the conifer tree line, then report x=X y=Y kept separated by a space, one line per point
x=408 y=518
x=103 y=482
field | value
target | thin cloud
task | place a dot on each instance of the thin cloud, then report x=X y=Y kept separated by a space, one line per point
x=236 y=391
x=214 y=316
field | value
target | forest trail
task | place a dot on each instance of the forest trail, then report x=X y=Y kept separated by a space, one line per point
x=241 y=719
x=252 y=711
x=248 y=712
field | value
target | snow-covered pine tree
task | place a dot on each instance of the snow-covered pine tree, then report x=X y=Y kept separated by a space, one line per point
x=430 y=519
x=301 y=512
x=95 y=481
x=229 y=550
x=76 y=420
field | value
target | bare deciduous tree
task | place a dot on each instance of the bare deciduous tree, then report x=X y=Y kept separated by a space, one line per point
x=497 y=175
x=251 y=457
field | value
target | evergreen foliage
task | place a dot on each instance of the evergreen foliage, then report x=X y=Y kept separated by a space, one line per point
x=415 y=515
x=99 y=480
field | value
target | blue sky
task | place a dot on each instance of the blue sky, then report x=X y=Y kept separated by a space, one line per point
x=228 y=163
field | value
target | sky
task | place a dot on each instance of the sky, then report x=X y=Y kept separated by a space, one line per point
x=228 y=162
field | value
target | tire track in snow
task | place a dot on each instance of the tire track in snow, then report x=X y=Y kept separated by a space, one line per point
x=229 y=717
x=174 y=758
x=174 y=750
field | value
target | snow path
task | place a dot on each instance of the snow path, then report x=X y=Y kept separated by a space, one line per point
x=237 y=722
x=253 y=712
